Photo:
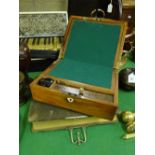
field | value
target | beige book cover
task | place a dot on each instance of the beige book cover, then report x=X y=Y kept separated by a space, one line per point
x=48 y=117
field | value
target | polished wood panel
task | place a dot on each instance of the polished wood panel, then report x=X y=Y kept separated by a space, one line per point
x=99 y=109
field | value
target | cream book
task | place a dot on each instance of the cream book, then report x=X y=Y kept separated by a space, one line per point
x=48 y=117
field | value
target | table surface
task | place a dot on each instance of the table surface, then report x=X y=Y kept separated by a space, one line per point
x=101 y=139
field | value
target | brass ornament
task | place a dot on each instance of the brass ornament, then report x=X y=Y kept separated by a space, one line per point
x=128 y=116
x=128 y=121
x=128 y=136
x=130 y=127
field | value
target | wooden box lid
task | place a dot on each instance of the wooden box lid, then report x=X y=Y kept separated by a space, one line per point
x=92 y=49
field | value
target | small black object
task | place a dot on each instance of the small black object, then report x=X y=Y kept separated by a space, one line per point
x=124 y=81
x=24 y=90
x=44 y=54
x=24 y=60
x=45 y=82
x=40 y=65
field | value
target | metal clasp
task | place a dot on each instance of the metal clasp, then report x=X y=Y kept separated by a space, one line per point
x=81 y=136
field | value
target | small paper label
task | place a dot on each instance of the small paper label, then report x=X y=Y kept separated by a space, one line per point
x=125 y=51
x=110 y=7
x=131 y=78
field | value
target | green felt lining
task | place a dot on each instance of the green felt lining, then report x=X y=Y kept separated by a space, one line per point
x=81 y=71
x=90 y=53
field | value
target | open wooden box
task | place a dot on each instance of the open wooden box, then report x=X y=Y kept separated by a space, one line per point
x=85 y=77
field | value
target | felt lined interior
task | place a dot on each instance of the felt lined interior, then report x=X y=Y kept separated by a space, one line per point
x=89 y=54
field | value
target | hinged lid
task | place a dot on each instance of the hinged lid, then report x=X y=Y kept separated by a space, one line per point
x=98 y=39
x=92 y=49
